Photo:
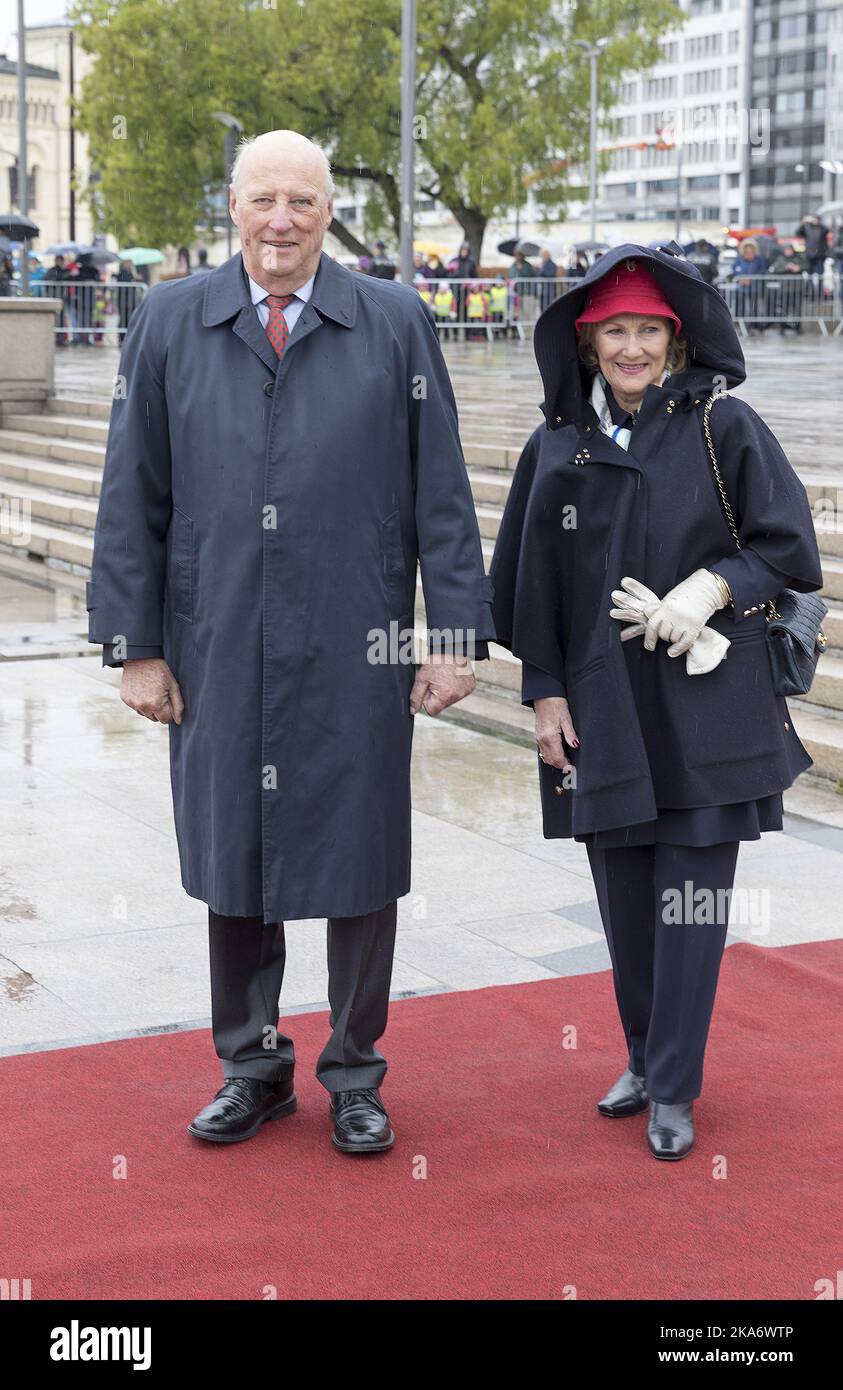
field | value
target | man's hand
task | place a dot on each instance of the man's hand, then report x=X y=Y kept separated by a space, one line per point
x=150 y=688
x=553 y=723
x=440 y=682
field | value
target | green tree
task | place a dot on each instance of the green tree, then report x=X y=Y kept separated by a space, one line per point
x=502 y=99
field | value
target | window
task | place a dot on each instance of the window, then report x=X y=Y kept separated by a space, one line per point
x=657 y=87
x=706 y=81
x=789 y=101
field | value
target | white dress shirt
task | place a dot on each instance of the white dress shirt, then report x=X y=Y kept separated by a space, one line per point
x=291 y=311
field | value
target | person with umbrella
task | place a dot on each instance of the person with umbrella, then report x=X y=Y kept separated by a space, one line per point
x=619 y=586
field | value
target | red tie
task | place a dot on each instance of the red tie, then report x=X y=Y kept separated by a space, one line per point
x=276 y=325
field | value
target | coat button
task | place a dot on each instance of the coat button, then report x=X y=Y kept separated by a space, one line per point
x=268 y=388
x=786 y=725
x=559 y=790
x=559 y=419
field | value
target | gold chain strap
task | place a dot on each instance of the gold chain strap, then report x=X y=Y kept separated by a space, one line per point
x=727 y=506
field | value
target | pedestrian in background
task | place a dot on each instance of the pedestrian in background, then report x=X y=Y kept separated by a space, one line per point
x=547 y=274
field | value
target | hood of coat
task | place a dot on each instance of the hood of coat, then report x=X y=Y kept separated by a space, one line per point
x=714 y=348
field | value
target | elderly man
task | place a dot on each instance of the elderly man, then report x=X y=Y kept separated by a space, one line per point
x=283 y=450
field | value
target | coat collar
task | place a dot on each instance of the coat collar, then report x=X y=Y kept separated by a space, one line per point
x=227 y=292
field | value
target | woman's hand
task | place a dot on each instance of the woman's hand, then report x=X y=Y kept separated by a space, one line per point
x=553 y=723
x=683 y=612
x=633 y=600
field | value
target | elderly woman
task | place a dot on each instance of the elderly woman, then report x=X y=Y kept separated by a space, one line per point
x=641 y=628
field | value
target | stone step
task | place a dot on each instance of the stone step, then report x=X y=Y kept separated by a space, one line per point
x=45 y=446
x=832 y=578
x=833 y=625
x=60 y=426
x=822 y=734
x=63 y=477
x=56 y=543
x=827 y=688
x=46 y=504
x=829 y=531
x=56 y=576
x=94 y=407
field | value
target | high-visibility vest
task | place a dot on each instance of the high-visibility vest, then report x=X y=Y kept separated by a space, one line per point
x=476 y=305
x=443 y=302
x=425 y=295
x=497 y=295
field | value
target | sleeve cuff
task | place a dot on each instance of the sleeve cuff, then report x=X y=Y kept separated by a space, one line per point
x=538 y=685
x=132 y=654
x=751 y=581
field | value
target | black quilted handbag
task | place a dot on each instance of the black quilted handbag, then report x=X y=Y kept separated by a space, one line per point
x=795 y=639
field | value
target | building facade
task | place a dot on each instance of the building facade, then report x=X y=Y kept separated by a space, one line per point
x=48 y=59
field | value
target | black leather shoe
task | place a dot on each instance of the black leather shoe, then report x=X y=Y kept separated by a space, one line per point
x=627 y=1097
x=670 y=1129
x=361 y=1124
x=240 y=1107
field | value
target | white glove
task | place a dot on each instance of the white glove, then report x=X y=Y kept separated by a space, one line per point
x=683 y=613
x=635 y=601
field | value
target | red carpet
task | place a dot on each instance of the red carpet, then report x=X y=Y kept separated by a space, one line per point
x=528 y=1190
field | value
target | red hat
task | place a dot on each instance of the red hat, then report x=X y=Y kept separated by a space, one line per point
x=628 y=289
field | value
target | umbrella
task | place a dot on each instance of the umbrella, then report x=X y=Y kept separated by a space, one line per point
x=100 y=255
x=17 y=228
x=529 y=247
x=141 y=255
x=67 y=248
x=431 y=248
x=829 y=207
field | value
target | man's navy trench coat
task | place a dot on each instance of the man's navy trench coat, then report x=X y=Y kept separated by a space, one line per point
x=651 y=735
x=257 y=521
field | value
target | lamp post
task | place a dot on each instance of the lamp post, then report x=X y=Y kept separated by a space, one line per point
x=23 y=191
x=408 y=147
x=592 y=52
x=233 y=128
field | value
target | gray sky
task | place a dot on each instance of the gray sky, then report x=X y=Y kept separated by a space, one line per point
x=35 y=12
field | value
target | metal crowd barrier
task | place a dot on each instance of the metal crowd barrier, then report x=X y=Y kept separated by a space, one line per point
x=474 y=314
x=785 y=300
x=93 y=312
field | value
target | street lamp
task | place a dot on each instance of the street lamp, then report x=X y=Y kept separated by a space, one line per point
x=233 y=128
x=408 y=148
x=23 y=191
x=592 y=51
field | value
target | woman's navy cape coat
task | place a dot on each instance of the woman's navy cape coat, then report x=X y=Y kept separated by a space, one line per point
x=583 y=513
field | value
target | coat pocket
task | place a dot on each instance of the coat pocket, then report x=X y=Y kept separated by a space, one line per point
x=732 y=714
x=609 y=755
x=394 y=566
x=180 y=584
